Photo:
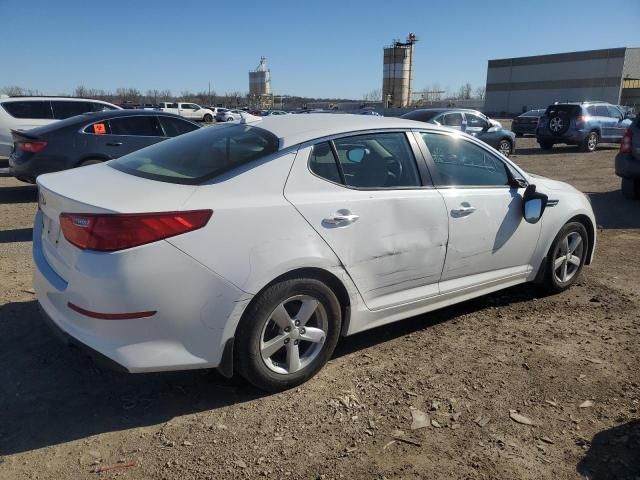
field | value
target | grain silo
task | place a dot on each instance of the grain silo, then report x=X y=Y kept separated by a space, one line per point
x=397 y=74
x=260 y=85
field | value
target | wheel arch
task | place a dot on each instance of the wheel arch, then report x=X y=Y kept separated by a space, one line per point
x=101 y=157
x=591 y=234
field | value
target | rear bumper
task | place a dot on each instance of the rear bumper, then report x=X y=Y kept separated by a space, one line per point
x=194 y=306
x=627 y=166
x=29 y=167
x=570 y=137
x=523 y=128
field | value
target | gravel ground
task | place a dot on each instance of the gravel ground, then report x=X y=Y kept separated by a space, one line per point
x=510 y=385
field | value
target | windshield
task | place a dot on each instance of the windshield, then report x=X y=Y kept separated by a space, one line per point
x=195 y=157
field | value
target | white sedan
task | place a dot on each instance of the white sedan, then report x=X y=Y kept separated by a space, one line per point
x=253 y=247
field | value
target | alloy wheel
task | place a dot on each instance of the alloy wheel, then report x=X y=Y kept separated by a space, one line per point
x=568 y=257
x=592 y=141
x=504 y=148
x=294 y=334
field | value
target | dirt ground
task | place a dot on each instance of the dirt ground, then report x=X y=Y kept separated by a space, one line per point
x=569 y=364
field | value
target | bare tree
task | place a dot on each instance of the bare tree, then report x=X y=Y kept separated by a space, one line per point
x=480 y=92
x=13 y=90
x=80 y=91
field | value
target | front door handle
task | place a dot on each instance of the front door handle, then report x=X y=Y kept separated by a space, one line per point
x=114 y=144
x=464 y=210
x=340 y=218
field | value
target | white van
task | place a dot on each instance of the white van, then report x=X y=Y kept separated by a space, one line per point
x=24 y=113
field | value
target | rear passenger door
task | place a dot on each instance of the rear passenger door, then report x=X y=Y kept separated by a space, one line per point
x=364 y=196
x=127 y=134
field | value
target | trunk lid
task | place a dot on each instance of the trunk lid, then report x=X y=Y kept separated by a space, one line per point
x=96 y=189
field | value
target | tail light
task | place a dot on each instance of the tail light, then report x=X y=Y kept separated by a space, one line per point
x=580 y=119
x=32 y=146
x=110 y=232
x=625 y=145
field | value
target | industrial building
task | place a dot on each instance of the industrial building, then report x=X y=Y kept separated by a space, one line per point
x=397 y=73
x=260 y=94
x=515 y=85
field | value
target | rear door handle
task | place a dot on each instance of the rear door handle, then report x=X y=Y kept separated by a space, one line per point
x=114 y=144
x=341 y=217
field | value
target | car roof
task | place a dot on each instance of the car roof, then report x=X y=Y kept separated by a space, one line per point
x=70 y=99
x=293 y=129
x=439 y=110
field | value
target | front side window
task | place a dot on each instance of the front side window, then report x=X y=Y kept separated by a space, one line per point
x=141 y=126
x=377 y=160
x=476 y=121
x=461 y=163
x=614 y=112
x=451 y=120
x=39 y=109
x=64 y=109
x=192 y=159
x=175 y=126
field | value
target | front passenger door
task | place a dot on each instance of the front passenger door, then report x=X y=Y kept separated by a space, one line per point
x=489 y=240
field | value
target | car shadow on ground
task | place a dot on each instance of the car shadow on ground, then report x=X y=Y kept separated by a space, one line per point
x=21 y=194
x=627 y=211
x=613 y=453
x=558 y=149
x=16 y=235
x=52 y=394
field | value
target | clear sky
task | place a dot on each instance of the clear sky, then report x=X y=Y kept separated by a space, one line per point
x=322 y=48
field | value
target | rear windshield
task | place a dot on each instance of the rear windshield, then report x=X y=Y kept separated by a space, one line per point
x=420 y=115
x=562 y=109
x=200 y=155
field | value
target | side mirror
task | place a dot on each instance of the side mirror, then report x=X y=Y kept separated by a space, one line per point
x=356 y=154
x=533 y=204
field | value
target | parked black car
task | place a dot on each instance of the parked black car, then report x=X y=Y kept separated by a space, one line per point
x=472 y=122
x=526 y=123
x=90 y=138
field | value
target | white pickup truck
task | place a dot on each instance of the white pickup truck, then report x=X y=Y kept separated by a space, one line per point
x=188 y=110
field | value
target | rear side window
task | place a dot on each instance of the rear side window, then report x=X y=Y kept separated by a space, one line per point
x=99 y=128
x=38 y=109
x=141 y=126
x=101 y=107
x=65 y=109
x=461 y=163
x=174 y=126
x=601 y=111
x=205 y=154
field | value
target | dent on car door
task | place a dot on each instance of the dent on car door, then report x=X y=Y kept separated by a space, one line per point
x=488 y=238
x=368 y=204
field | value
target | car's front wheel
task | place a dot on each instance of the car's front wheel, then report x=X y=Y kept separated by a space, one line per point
x=287 y=334
x=208 y=118
x=566 y=257
x=505 y=147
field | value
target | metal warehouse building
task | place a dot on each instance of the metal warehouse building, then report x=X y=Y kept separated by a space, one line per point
x=518 y=84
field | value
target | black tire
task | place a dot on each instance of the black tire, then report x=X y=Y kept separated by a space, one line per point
x=230 y=119
x=546 y=144
x=631 y=188
x=91 y=161
x=248 y=359
x=551 y=283
x=590 y=143
x=207 y=118
x=505 y=147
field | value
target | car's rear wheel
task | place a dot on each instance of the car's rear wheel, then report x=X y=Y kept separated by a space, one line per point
x=590 y=143
x=91 y=161
x=505 y=147
x=631 y=188
x=287 y=334
x=566 y=257
x=208 y=118
x=230 y=119
x=546 y=145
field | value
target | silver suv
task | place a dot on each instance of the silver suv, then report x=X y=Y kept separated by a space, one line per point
x=582 y=123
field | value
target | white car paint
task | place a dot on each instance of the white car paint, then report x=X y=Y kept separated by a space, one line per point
x=403 y=256
x=192 y=111
x=8 y=122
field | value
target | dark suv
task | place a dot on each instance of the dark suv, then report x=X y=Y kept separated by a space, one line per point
x=582 y=123
x=628 y=161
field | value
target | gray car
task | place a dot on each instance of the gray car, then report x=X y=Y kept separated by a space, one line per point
x=472 y=122
x=585 y=124
x=628 y=161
